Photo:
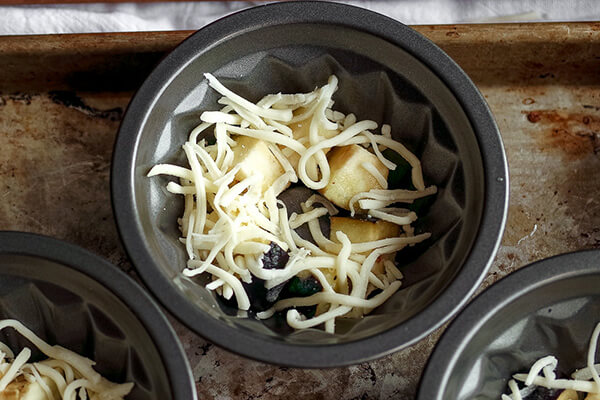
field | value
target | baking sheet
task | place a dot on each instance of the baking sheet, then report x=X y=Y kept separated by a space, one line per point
x=63 y=96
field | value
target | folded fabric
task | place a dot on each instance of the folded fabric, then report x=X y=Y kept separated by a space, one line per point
x=122 y=17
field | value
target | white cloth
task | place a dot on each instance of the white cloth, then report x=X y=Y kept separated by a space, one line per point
x=125 y=17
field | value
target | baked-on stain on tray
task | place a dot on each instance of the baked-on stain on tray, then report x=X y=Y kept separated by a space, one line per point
x=575 y=134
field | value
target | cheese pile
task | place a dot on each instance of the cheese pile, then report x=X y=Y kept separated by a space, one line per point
x=64 y=375
x=542 y=373
x=232 y=213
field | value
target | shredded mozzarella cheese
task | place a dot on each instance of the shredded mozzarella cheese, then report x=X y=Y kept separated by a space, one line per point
x=370 y=168
x=65 y=371
x=542 y=373
x=231 y=215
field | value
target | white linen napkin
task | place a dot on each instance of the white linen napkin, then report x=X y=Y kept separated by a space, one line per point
x=123 y=17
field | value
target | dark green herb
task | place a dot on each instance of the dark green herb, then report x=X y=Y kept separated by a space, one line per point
x=422 y=205
x=400 y=177
x=302 y=287
x=307 y=311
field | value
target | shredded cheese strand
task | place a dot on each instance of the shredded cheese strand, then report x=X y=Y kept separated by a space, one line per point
x=548 y=364
x=370 y=168
x=297 y=220
x=40 y=381
x=214 y=117
x=592 y=354
x=240 y=293
x=278 y=115
x=538 y=366
x=343 y=256
x=13 y=371
x=338 y=298
x=74 y=367
x=346 y=134
x=54 y=375
x=384 y=215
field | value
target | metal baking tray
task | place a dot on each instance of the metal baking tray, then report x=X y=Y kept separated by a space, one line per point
x=62 y=98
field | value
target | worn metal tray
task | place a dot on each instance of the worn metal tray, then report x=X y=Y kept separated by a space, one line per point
x=62 y=97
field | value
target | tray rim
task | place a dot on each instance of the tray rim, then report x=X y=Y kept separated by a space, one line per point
x=534 y=32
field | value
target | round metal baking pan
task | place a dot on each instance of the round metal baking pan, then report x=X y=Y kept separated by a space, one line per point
x=402 y=79
x=73 y=298
x=548 y=307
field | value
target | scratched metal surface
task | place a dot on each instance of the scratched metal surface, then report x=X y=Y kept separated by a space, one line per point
x=62 y=98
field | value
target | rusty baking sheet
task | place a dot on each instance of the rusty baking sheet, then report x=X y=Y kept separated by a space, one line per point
x=62 y=98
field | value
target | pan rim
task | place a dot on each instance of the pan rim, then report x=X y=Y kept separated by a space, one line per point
x=266 y=349
x=141 y=304
x=492 y=301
